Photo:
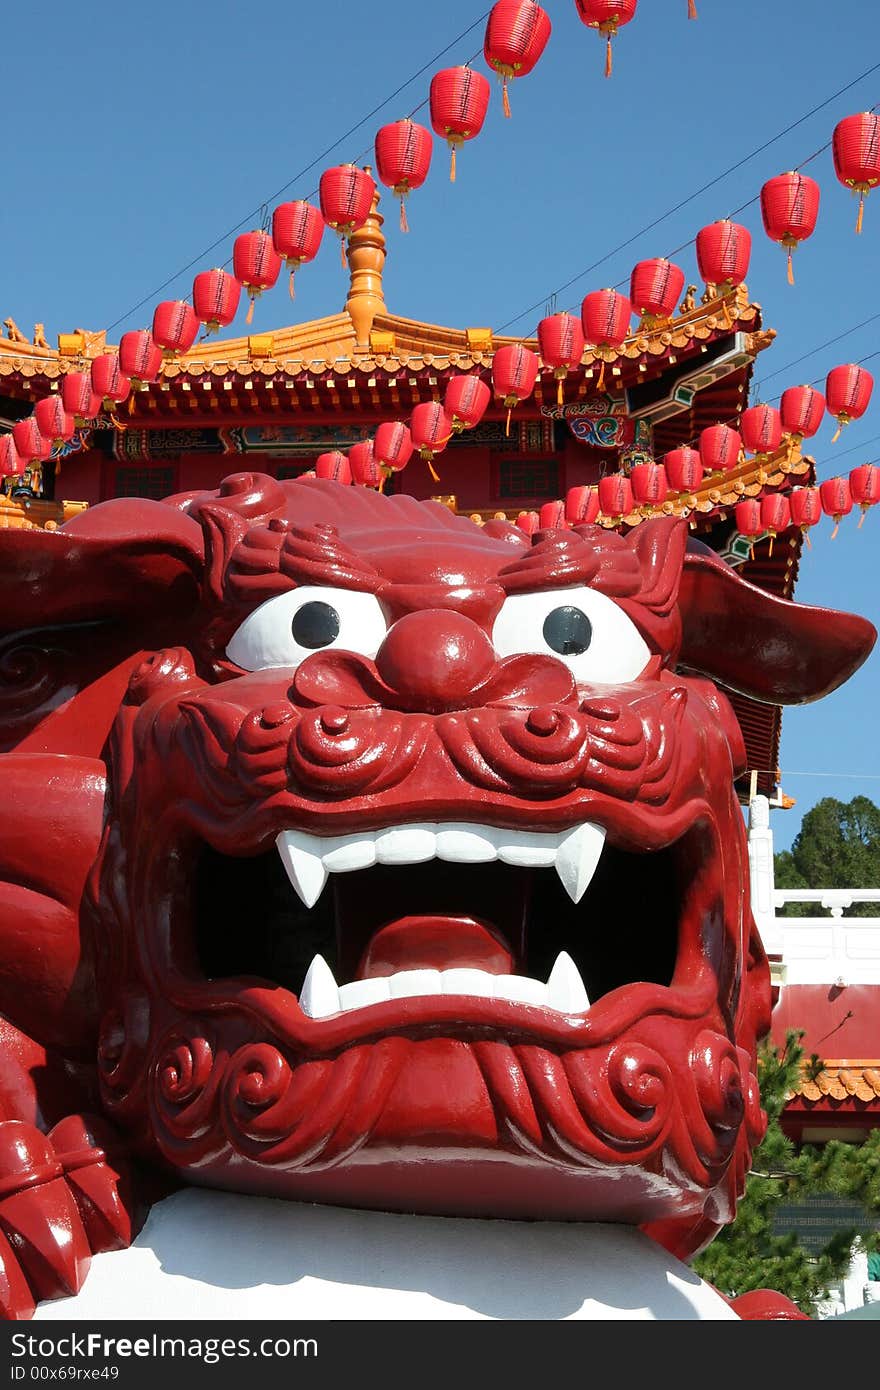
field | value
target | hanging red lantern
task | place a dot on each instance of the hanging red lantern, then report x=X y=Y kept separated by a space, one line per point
x=346 y=195
x=139 y=358
x=684 y=469
x=403 y=158
x=53 y=420
x=459 y=100
x=561 y=341
x=551 y=517
x=216 y=296
x=836 y=499
x=847 y=394
x=466 y=401
x=806 y=509
x=393 y=446
x=654 y=289
x=801 y=410
x=529 y=522
x=31 y=444
x=109 y=380
x=789 y=208
x=175 y=326
x=430 y=430
x=255 y=264
x=514 y=372
x=297 y=229
x=80 y=400
x=605 y=317
x=761 y=430
x=615 y=496
x=864 y=484
x=365 y=470
x=581 y=505
x=333 y=465
x=775 y=515
x=650 y=485
x=855 y=146
x=724 y=250
x=720 y=448
x=10 y=463
x=748 y=520
x=516 y=35
x=606 y=16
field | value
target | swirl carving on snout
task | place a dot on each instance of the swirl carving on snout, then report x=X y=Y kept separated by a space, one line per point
x=369 y=753
x=721 y=1095
x=186 y=1073
x=611 y=744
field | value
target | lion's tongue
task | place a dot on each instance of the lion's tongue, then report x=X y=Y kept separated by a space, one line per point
x=433 y=942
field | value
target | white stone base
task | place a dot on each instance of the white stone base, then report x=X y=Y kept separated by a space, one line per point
x=217 y=1255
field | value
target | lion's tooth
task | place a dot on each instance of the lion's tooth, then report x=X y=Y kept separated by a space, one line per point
x=319 y=995
x=466 y=844
x=465 y=980
x=301 y=857
x=521 y=989
x=565 y=988
x=360 y=993
x=532 y=849
x=577 y=856
x=406 y=844
x=405 y=984
x=349 y=852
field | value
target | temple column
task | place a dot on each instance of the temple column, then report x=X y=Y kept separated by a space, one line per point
x=761 y=867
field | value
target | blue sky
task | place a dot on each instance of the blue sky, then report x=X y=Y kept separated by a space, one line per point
x=138 y=136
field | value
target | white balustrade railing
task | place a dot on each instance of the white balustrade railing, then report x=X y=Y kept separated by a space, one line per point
x=834 y=900
x=833 y=949
x=830 y=950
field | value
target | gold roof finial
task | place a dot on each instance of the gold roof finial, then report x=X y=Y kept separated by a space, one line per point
x=366 y=260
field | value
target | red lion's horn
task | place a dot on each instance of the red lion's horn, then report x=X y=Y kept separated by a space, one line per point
x=768 y=648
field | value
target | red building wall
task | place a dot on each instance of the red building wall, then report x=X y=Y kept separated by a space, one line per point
x=479 y=478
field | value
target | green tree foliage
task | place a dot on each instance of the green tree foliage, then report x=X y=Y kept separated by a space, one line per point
x=748 y=1254
x=838 y=846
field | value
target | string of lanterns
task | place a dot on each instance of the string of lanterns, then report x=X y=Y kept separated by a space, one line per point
x=722 y=251
x=517 y=33
x=771 y=436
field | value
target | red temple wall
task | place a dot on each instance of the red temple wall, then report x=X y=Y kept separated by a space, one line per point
x=79 y=479
x=474 y=475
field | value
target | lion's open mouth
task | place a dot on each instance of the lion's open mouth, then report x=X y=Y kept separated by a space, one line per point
x=554 y=921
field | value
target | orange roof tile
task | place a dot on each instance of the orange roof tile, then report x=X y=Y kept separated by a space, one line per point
x=847 y=1080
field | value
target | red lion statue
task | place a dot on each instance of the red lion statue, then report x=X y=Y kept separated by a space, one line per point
x=358 y=854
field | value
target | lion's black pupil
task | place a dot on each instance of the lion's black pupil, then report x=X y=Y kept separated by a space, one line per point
x=315 y=625
x=568 y=631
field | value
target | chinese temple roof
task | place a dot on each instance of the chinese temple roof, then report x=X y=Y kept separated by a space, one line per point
x=327 y=368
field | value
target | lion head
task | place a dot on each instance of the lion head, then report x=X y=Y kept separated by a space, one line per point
x=415 y=877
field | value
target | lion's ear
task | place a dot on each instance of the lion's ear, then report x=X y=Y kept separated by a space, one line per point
x=128 y=557
x=768 y=648
x=660 y=546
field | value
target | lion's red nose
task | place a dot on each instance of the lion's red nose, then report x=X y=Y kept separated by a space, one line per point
x=435 y=658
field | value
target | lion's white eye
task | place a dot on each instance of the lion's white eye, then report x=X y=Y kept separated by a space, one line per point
x=579 y=626
x=283 y=631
